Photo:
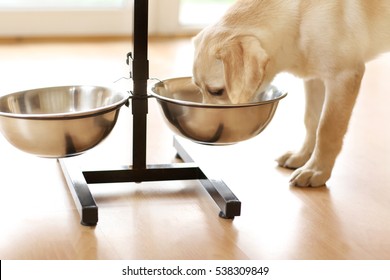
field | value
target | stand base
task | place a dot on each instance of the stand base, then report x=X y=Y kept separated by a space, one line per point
x=78 y=181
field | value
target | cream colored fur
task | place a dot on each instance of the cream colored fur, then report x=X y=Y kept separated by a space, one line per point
x=325 y=42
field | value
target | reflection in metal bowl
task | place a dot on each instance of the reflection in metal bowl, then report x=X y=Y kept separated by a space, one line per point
x=213 y=124
x=59 y=121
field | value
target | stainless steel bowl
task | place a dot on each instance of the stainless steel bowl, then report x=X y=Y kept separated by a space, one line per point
x=214 y=124
x=59 y=121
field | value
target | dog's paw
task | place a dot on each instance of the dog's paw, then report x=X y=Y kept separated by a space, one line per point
x=309 y=177
x=292 y=160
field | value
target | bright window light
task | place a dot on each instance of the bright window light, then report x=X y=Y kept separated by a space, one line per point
x=53 y=4
x=202 y=12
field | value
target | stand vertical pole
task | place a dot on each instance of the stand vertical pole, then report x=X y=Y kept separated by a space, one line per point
x=140 y=78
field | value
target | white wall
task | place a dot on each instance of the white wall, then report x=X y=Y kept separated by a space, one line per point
x=163 y=19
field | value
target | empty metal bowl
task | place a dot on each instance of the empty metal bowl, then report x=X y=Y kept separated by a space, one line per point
x=213 y=124
x=59 y=121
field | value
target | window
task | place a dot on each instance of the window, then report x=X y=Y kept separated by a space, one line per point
x=20 y=18
x=65 y=17
x=185 y=16
x=201 y=12
x=59 y=4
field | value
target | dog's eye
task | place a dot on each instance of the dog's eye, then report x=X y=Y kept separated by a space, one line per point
x=217 y=92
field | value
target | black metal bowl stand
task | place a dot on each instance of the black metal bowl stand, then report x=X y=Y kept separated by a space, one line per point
x=78 y=180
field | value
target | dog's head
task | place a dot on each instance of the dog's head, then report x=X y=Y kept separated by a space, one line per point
x=228 y=68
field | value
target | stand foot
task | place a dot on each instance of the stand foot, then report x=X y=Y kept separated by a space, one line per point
x=223 y=216
x=78 y=181
x=81 y=194
x=226 y=200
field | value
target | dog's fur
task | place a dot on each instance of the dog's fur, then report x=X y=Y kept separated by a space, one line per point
x=325 y=42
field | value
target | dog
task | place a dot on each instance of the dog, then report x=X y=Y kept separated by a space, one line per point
x=324 y=42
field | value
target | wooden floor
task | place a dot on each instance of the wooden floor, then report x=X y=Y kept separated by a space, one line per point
x=348 y=219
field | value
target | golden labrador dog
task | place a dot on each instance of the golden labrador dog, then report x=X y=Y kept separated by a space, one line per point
x=325 y=42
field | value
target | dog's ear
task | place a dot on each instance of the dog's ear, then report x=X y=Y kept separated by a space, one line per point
x=244 y=62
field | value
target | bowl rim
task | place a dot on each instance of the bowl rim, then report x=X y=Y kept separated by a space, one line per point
x=283 y=94
x=67 y=115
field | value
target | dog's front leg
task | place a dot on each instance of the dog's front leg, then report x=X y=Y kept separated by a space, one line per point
x=315 y=92
x=341 y=93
